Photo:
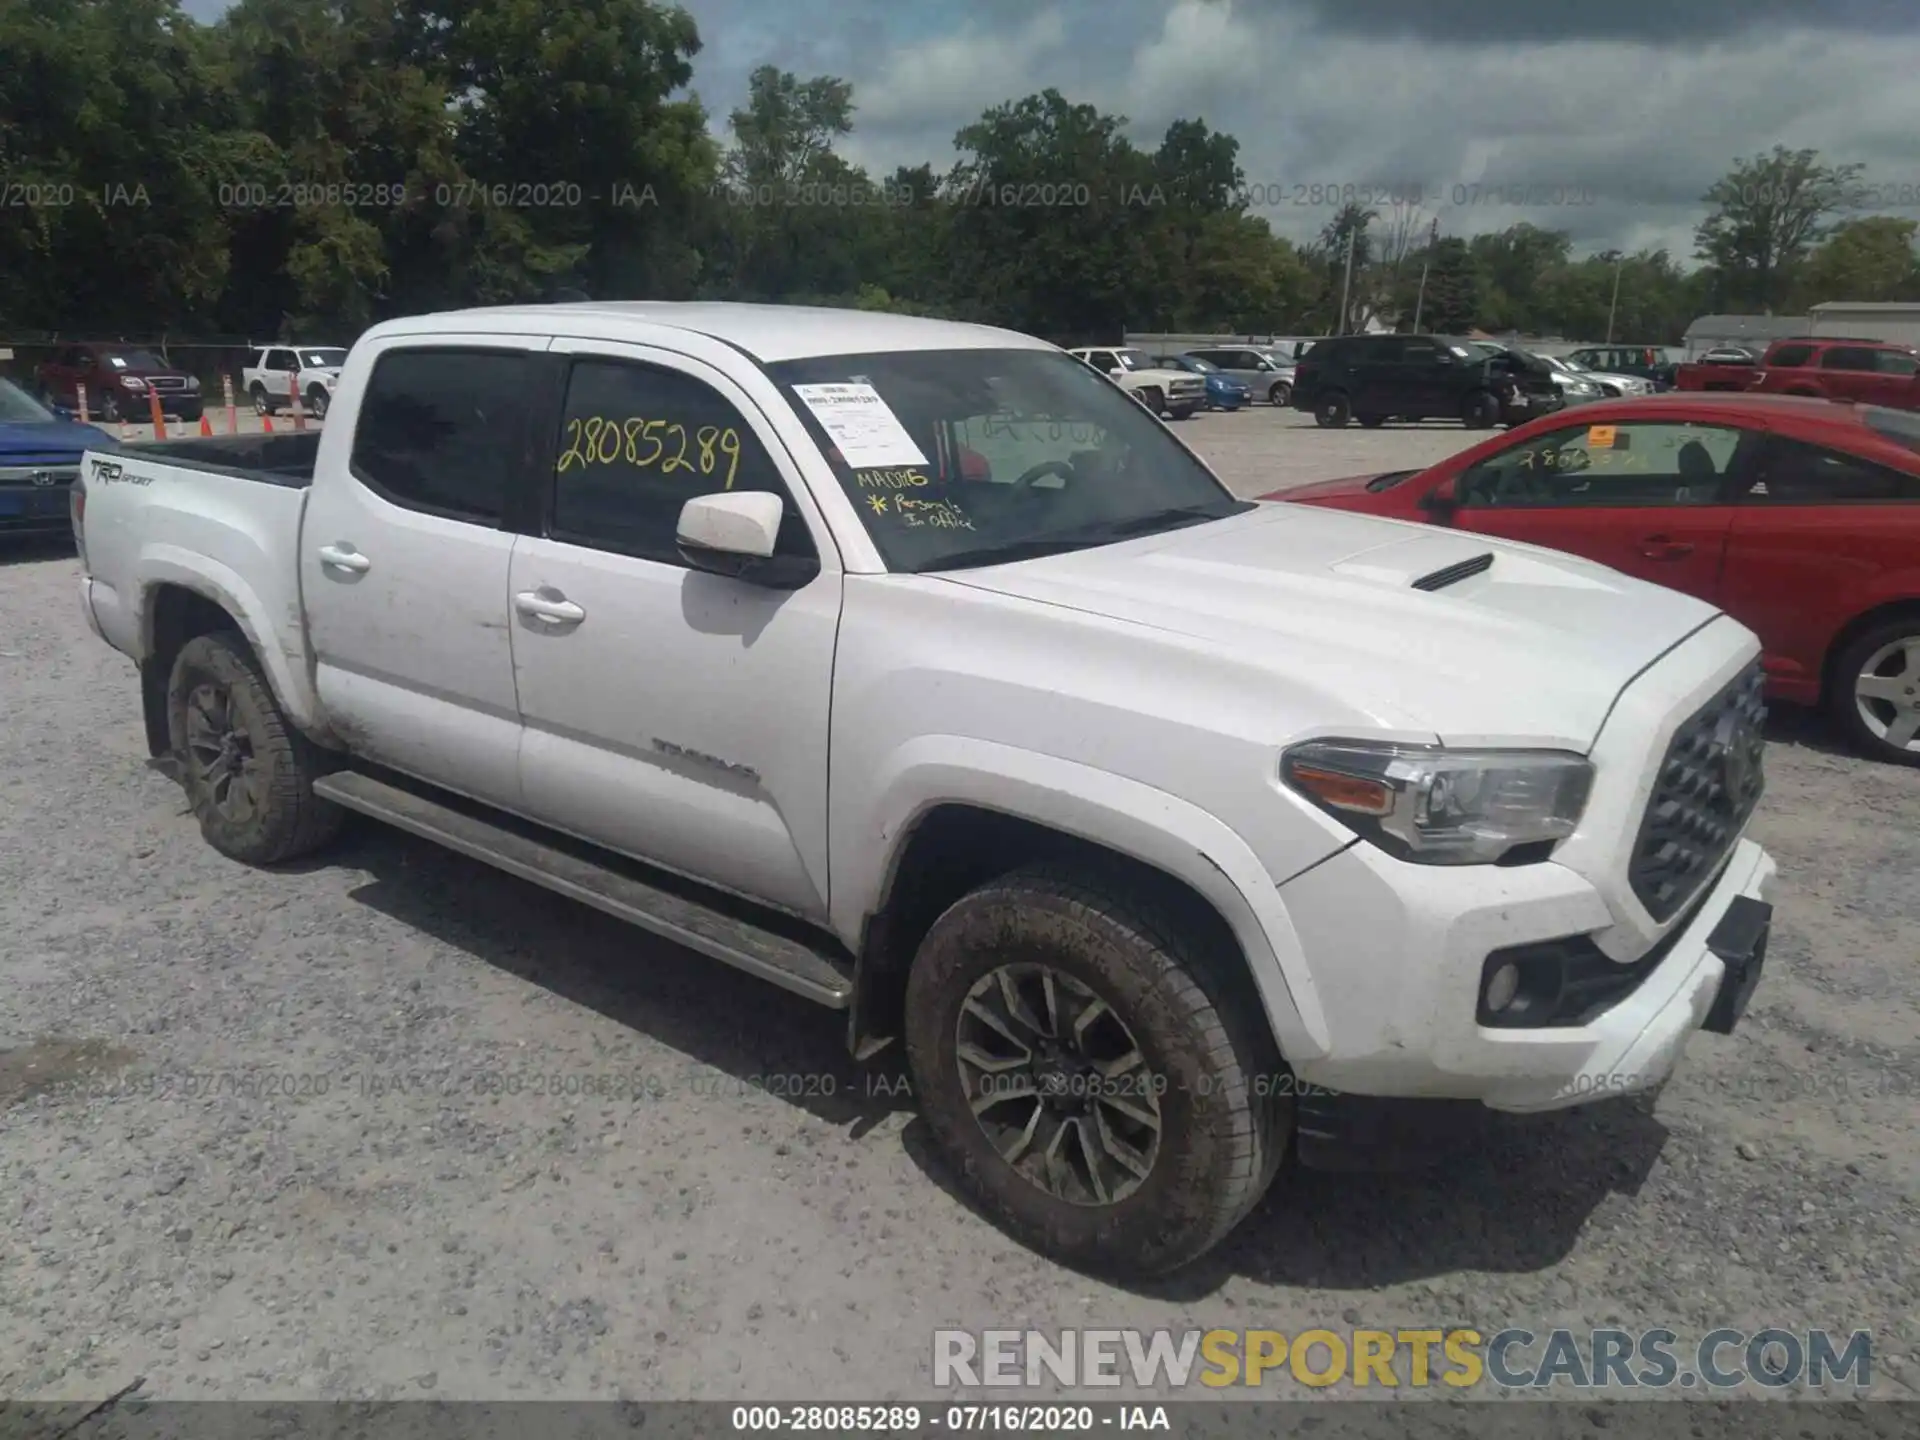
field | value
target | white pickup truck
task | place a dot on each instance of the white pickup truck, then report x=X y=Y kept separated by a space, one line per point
x=911 y=666
x=1177 y=394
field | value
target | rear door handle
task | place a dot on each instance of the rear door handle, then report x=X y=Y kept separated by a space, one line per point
x=344 y=557
x=1659 y=547
x=550 y=607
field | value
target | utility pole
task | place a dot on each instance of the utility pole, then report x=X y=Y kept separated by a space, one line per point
x=1433 y=239
x=1346 y=286
x=1614 y=306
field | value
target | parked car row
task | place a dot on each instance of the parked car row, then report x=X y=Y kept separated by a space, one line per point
x=120 y=381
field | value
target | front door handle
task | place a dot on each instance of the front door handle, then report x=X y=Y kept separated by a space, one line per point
x=344 y=557
x=1659 y=547
x=549 y=606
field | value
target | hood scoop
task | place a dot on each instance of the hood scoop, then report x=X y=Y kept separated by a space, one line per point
x=1451 y=574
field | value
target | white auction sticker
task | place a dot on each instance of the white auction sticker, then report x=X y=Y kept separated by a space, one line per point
x=863 y=425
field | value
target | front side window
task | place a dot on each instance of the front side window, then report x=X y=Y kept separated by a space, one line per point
x=441 y=430
x=1792 y=356
x=636 y=443
x=1634 y=463
x=956 y=458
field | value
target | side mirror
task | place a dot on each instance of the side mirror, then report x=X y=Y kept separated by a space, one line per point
x=734 y=533
x=1440 y=502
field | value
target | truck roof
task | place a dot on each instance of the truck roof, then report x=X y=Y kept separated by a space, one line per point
x=767 y=332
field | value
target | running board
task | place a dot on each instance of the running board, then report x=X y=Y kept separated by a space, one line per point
x=771 y=948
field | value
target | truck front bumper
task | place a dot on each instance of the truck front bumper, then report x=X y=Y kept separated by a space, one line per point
x=1406 y=954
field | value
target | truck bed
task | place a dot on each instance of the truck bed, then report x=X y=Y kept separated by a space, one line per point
x=273 y=459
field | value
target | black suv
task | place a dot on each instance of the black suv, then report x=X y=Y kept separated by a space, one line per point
x=1377 y=378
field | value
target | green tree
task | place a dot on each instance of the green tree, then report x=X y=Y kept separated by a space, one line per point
x=1052 y=220
x=1871 y=259
x=1768 y=213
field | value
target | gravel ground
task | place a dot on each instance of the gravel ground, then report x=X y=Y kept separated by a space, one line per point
x=258 y=1136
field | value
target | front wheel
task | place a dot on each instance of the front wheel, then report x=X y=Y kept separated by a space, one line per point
x=248 y=773
x=1332 y=412
x=317 y=403
x=1154 y=401
x=1281 y=393
x=1091 y=1095
x=1875 y=693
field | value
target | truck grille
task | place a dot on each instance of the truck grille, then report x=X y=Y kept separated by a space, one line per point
x=166 y=382
x=1709 y=782
x=39 y=477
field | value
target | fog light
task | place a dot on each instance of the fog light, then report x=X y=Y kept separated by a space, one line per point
x=1502 y=986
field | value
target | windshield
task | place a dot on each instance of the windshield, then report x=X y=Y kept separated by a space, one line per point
x=957 y=458
x=1194 y=362
x=134 y=360
x=19 y=408
x=323 y=359
x=1134 y=359
x=1900 y=426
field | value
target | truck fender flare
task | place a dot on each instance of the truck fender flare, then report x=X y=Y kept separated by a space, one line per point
x=162 y=564
x=1134 y=819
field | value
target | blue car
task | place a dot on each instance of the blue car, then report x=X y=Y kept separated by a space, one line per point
x=1223 y=391
x=39 y=461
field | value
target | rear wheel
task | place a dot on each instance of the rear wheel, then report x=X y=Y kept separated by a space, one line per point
x=1332 y=411
x=1480 y=410
x=261 y=404
x=1280 y=393
x=248 y=773
x=1875 y=693
x=1092 y=1095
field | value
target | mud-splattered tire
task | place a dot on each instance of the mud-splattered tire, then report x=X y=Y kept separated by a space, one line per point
x=1223 y=1122
x=248 y=773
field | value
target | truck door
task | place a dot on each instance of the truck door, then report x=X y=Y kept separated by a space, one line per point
x=404 y=560
x=673 y=715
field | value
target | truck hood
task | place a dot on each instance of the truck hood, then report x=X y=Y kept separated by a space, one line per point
x=53 y=442
x=1157 y=376
x=1532 y=650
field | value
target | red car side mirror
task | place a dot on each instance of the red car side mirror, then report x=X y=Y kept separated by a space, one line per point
x=1439 y=502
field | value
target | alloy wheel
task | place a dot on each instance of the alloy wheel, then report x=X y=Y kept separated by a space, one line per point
x=1058 y=1084
x=220 y=753
x=1887 y=693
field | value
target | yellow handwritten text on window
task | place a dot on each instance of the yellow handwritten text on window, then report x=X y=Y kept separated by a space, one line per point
x=666 y=445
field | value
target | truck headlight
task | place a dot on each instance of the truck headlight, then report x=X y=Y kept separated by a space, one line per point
x=1435 y=806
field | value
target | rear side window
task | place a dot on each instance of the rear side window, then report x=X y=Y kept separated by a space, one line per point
x=1900 y=426
x=636 y=443
x=1792 y=355
x=1848 y=357
x=442 y=430
x=1795 y=473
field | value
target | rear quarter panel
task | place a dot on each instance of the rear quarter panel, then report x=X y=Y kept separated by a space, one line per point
x=232 y=540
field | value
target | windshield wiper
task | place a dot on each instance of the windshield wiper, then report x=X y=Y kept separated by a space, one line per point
x=1005 y=554
x=1105 y=533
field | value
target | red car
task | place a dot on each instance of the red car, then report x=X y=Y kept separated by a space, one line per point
x=1865 y=372
x=1798 y=517
x=119 y=380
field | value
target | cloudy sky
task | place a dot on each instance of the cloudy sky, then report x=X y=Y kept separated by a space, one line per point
x=1607 y=119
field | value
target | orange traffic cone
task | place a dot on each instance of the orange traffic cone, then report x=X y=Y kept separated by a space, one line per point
x=159 y=420
x=206 y=427
x=266 y=423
